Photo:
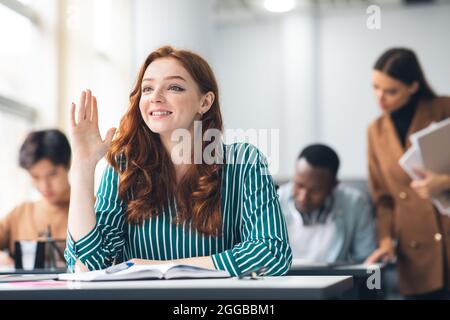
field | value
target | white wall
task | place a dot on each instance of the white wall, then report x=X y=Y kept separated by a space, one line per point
x=248 y=65
x=95 y=53
x=183 y=24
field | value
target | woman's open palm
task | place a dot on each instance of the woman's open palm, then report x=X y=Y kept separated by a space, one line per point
x=87 y=142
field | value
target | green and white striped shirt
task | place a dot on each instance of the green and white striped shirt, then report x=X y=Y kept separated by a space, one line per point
x=253 y=230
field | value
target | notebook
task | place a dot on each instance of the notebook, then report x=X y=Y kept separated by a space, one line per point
x=429 y=151
x=146 y=272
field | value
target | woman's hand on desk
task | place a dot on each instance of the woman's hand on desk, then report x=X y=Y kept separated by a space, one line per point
x=385 y=252
x=87 y=143
x=431 y=183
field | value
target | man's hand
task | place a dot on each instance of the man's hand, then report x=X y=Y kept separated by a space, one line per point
x=385 y=252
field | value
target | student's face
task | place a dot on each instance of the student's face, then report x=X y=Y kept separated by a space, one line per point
x=52 y=181
x=168 y=88
x=391 y=94
x=312 y=185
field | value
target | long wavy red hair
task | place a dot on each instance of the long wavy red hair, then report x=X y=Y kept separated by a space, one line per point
x=147 y=176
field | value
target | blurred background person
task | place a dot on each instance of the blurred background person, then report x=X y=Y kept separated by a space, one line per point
x=327 y=222
x=409 y=226
x=45 y=155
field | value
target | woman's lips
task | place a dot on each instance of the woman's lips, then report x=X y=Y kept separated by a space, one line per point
x=160 y=114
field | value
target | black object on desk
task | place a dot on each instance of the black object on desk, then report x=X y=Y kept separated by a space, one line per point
x=359 y=272
x=48 y=254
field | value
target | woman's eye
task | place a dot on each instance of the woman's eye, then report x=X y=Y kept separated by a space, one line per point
x=176 y=88
x=146 y=89
x=392 y=92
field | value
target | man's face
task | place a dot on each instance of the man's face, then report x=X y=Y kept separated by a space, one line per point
x=52 y=181
x=312 y=185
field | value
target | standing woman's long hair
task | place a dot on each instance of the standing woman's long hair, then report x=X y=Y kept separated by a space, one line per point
x=147 y=180
x=402 y=64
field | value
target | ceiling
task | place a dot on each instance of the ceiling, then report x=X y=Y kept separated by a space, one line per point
x=238 y=9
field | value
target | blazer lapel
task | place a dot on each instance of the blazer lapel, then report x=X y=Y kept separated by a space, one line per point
x=421 y=119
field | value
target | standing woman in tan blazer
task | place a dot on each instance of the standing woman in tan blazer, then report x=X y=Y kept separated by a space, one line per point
x=409 y=226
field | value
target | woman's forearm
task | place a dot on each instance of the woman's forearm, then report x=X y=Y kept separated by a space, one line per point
x=202 y=262
x=81 y=210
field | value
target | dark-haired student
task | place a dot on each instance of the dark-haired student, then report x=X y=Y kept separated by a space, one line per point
x=158 y=202
x=409 y=226
x=46 y=156
x=327 y=222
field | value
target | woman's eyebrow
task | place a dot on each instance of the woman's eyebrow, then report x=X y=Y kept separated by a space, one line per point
x=166 y=78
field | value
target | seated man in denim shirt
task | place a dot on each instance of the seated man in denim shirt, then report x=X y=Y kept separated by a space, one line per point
x=327 y=222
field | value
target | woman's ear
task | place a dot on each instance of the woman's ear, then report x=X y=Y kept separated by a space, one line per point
x=414 y=87
x=207 y=102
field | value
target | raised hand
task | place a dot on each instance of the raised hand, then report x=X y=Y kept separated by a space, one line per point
x=87 y=143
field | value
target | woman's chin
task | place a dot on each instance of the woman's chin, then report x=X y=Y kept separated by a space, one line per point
x=160 y=130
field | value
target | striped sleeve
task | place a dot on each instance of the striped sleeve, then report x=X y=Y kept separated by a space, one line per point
x=264 y=236
x=104 y=243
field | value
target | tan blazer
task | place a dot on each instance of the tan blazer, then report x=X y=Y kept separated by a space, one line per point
x=421 y=232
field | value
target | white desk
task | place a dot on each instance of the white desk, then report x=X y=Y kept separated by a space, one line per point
x=270 y=288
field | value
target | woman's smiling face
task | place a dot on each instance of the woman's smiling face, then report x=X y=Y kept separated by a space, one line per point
x=170 y=97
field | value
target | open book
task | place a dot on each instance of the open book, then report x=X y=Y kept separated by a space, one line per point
x=141 y=272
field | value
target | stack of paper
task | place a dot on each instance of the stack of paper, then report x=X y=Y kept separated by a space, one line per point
x=430 y=150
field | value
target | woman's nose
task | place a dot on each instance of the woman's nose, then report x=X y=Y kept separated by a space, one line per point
x=380 y=95
x=157 y=96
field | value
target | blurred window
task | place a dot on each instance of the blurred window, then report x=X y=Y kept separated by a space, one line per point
x=17 y=25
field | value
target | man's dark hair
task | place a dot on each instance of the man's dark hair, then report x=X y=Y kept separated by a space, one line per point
x=45 y=144
x=322 y=156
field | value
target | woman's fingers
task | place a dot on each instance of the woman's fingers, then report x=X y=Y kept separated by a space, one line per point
x=422 y=173
x=72 y=115
x=88 y=109
x=94 y=117
x=82 y=107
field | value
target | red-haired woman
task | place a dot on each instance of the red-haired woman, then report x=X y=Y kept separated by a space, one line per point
x=153 y=208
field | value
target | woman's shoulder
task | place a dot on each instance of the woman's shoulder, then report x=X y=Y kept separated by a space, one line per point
x=443 y=103
x=241 y=153
x=376 y=126
x=438 y=107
